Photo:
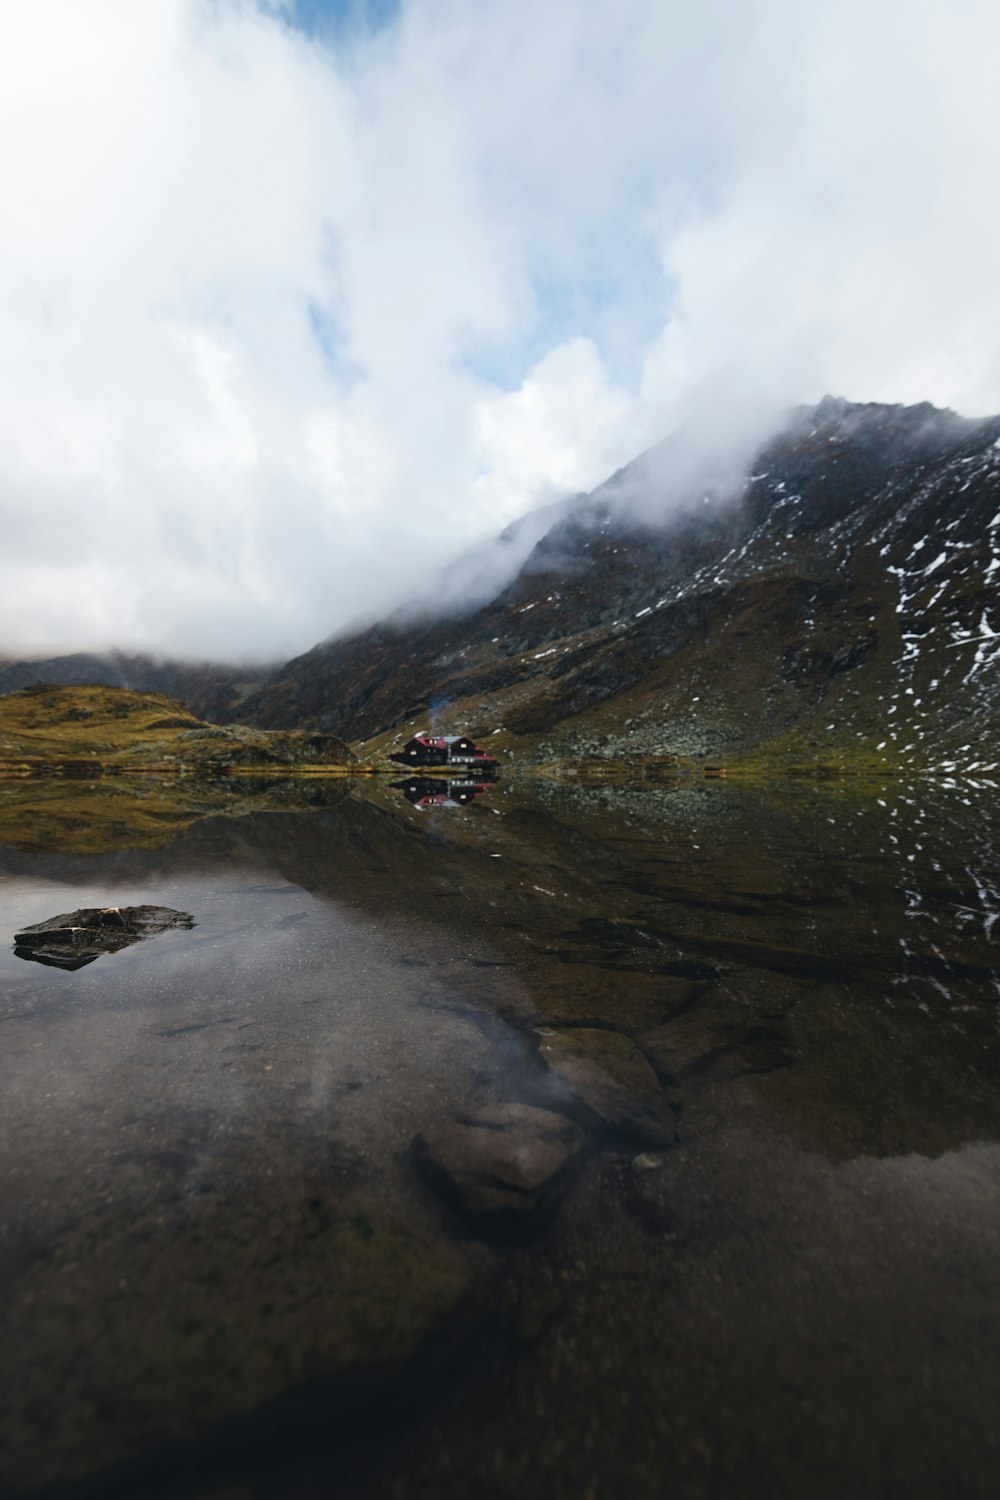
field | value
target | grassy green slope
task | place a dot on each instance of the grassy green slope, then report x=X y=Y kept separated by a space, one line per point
x=93 y=727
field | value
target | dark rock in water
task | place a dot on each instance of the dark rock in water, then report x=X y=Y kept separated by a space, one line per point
x=229 y=1321
x=78 y=937
x=611 y=1077
x=505 y=1167
x=112 y=922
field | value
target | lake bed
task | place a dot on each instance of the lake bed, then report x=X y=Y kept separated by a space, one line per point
x=285 y=1212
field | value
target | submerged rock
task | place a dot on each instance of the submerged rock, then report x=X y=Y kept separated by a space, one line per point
x=285 y=1312
x=646 y=1162
x=715 y=1041
x=504 y=1167
x=78 y=937
x=611 y=1077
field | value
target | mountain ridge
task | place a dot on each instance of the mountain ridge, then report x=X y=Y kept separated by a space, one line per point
x=837 y=609
x=805 y=589
x=208 y=689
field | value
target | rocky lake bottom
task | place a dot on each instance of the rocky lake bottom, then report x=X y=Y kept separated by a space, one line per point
x=554 y=1142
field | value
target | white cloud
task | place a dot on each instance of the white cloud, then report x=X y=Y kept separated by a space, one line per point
x=564 y=430
x=531 y=237
x=852 y=250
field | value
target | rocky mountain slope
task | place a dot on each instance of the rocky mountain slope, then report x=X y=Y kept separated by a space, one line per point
x=841 y=612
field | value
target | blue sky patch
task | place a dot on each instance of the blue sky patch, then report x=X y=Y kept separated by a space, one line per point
x=332 y=20
x=621 y=308
x=330 y=338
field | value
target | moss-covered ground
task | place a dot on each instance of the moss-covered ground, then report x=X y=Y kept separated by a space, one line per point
x=91 y=728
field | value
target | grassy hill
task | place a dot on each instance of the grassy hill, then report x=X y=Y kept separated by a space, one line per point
x=209 y=690
x=95 y=728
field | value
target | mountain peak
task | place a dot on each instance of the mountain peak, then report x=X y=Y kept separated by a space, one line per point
x=835 y=608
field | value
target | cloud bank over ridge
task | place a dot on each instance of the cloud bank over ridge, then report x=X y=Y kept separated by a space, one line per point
x=286 y=322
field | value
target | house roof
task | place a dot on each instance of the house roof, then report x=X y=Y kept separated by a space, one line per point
x=440 y=741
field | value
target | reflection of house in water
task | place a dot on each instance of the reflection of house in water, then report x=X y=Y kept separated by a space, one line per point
x=444 y=750
x=425 y=792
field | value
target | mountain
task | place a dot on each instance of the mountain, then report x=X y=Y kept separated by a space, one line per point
x=209 y=690
x=837 y=610
x=840 y=611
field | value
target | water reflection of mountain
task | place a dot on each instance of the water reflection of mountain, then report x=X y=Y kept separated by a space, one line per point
x=764 y=1022
x=836 y=950
x=97 y=816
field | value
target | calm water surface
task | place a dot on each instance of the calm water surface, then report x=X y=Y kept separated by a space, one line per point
x=770 y=1265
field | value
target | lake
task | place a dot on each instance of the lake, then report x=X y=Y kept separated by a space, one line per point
x=550 y=1141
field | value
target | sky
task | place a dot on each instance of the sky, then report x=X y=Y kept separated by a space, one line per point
x=301 y=298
